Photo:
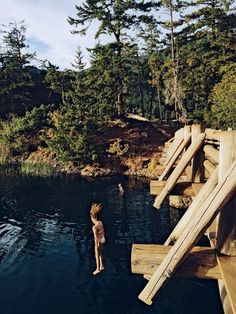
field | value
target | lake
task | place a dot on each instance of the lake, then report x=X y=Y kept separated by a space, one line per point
x=47 y=249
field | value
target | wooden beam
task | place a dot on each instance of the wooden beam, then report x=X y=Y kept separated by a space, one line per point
x=226 y=234
x=197 y=187
x=179 y=137
x=197 y=174
x=188 y=155
x=227 y=266
x=211 y=153
x=181 y=188
x=198 y=201
x=201 y=262
x=212 y=134
x=175 y=156
x=192 y=233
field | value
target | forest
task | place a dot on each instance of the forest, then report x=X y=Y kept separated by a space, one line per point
x=167 y=60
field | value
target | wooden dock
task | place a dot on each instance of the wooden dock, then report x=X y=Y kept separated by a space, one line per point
x=200 y=164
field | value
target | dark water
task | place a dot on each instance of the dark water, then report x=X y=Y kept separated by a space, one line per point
x=46 y=250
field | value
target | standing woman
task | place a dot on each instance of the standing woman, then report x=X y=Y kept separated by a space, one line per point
x=99 y=236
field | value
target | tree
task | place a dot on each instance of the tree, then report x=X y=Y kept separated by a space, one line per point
x=114 y=17
x=15 y=80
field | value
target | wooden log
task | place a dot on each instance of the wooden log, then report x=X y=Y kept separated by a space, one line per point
x=210 y=167
x=227 y=266
x=226 y=233
x=197 y=174
x=197 y=187
x=187 y=137
x=191 y=151
x=181 y=188
x=211 y=153
x=213 y=134
x=192 y=233
x=179 y=137
x=201 y=262
x=194 y=207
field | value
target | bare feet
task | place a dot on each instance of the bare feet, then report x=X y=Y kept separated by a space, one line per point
x=96 y=272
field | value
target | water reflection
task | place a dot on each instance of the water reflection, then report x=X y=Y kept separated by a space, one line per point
x=46 y=249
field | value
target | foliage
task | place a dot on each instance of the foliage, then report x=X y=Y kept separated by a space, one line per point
x=37 y=169
x=223 y=99
x=118 y=148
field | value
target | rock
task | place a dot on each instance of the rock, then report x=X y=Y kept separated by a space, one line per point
x=95 y=171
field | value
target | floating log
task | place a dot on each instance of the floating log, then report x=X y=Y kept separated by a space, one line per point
x=211 y=153
x=194 y=207
x=201 y=262
x=191 y=151
x=202 y=219
x=187 y=137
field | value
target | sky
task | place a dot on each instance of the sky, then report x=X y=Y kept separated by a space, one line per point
x=48 y=32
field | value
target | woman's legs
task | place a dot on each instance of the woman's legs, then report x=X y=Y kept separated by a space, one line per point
x=99 y=258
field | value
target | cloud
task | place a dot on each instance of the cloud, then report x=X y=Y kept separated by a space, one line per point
x=48 y=31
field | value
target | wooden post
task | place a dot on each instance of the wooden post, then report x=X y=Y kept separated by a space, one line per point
x=197 y=171
x=194 y=207
x=187 y=137
x=203 y=218
x=226 y=231
x=209 y=166
x=188 y=155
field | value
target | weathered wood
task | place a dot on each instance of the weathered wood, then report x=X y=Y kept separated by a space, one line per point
x=197 y=174
x=201 y=262
x=226 y=233
x=194 y=207
x=197 y=187
x=179 y=137
x=192 y=233
x=187 y=137
x=180 y=188
x=158 y=170
x=227 y=265
x=224 y=298
x=188 y=155
x=211 y=153
x=210 y=167
x=212 y=134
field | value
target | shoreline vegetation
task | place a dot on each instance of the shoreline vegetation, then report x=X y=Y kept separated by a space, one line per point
x=131 y=148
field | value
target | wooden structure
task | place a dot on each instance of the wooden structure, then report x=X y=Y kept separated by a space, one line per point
x=201 y=164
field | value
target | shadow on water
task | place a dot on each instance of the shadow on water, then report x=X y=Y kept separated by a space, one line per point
x=46 y=249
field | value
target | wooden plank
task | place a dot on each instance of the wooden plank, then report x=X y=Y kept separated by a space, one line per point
x=188 y=155
x=201 y=262
x=211 y=153
x=175 y=156
x=192 y=233
x=179 y=137
x=227 y=265
x=193 y=209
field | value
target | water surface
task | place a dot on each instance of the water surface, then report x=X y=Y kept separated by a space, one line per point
x=47 y=252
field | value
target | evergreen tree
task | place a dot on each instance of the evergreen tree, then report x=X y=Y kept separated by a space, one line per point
x=115 y=17
x=15 y=80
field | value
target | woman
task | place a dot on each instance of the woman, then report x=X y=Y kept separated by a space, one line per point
x=99 y=236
